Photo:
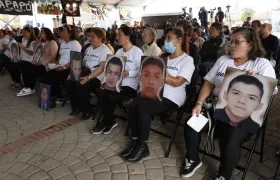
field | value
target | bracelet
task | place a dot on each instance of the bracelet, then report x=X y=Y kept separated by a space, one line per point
x=64 y=67
x=89 y=77
x=199 y=103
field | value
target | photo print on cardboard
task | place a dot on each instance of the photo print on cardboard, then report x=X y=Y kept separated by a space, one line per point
x=44 y=96
x=14 y=52
x=37 y=56
x=76 y=63
x=113 y=70
x=152 y=77
x=243 y=99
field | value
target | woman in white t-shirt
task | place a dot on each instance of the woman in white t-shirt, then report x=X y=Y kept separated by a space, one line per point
x=26 y=53
x=108 y=99
x=57 y=76
x=6 y=56
x=180 y=68
x=94 y=60
x=246 y=54
x=44 y=54
x=3 y=40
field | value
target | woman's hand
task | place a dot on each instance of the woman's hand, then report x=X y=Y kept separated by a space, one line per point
x=84 y=80
x=125 y=74
x=197 y=110
x=4 y=46
x=20 y=45
x=251 y=72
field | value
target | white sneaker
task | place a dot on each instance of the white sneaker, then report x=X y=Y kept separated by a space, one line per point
x=25 y=92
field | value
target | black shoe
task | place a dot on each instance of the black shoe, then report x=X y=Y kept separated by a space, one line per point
x=99 y=128
x=190 y=168
x=108 y=129
x=85 y=116
x=130 y=149
x=139 y=152
x=74 y=113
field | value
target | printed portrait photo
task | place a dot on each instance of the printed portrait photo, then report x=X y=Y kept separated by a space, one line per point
x=113 y=70
x=44 y=96
x=14 y=52
x=244 y=99
x=38 y=53
x=76 y=63
x=152 y=77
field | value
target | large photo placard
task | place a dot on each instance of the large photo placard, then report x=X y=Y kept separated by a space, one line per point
x=113 y=70
x=76 y=63
x=244 y=99
x=152 y=77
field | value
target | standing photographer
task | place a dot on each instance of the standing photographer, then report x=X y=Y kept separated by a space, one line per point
x=203 y=16
x=220 y=16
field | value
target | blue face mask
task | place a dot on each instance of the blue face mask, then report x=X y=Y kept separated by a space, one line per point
x=169 y=47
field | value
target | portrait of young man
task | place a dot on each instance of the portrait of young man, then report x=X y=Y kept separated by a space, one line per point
x=112 y=73
x=38 y=52
x=44 y=98
x=151 y=78
x=244 y=97
x=14 y=52
x=76 y=70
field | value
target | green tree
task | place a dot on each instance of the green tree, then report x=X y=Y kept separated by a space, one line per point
x=247 y=12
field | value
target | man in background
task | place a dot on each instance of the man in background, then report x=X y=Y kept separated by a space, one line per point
x=220 y=15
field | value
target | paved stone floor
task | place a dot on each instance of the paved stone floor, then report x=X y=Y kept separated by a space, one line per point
x=74 y=153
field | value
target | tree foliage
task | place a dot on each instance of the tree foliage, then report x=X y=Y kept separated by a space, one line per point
x=247 y=12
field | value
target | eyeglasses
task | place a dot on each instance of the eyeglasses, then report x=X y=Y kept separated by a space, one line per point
x=236 y=42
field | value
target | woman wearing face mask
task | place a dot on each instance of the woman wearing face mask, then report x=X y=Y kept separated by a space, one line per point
x=108 y=99
x=94 y=59
x=31 y=73
x=26 y=53
x=180 y=68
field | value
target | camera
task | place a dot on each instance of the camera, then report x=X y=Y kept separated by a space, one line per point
x=184 y=14
x=211 y=12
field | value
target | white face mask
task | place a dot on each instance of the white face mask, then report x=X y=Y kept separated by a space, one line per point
x=8 y=37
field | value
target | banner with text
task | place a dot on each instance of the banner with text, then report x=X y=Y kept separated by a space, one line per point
x=16 y=7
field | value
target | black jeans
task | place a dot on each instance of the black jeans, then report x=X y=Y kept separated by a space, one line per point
x=15 y=69
x=140 y=115
x=230 y=140
x=108 y=101
x=55 y=79
x=79 y=94
x=4 y=60
x=30 y=74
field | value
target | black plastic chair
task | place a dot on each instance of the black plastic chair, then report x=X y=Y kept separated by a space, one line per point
x=261 y=131
x=278 y=167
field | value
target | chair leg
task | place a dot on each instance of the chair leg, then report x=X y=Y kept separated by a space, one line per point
x=178 y=120
x=262 y=143
x=64 y=100
x=95 y=111
x=127 y=129
x=250 y=155
x=277 y=170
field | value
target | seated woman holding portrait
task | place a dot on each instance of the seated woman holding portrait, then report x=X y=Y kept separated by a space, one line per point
x=107 y=97
x=58 y=75
x=94 y=60
x=246 y=54
x=26 y=53
x=42 y=56
x=180 y=68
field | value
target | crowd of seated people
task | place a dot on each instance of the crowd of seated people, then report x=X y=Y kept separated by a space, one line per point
x=182 y=46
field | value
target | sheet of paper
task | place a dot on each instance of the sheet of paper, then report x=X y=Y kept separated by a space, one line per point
x=197 y=123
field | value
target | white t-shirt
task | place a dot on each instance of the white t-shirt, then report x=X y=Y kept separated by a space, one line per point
x=5 y=41
x=181 y=66
x=65 y=49
x=217 y=73
x=7 y=52
x=132 y=65
x=24 y=56
x=93 y=57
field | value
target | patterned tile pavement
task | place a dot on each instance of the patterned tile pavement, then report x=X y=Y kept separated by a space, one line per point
x=74 y=153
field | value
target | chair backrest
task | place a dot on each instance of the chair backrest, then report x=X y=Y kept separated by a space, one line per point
x=191 y=88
